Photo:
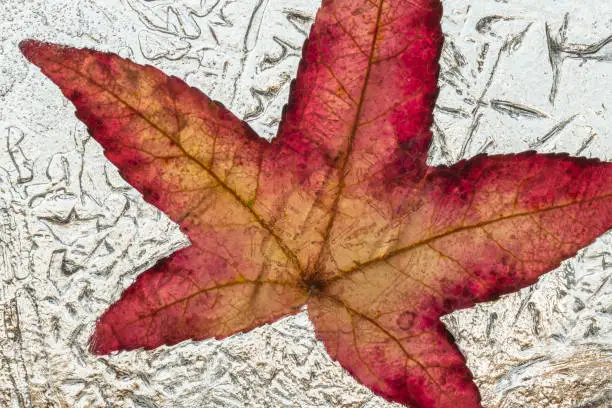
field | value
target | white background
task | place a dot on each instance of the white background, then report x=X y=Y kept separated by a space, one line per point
x=516 y=75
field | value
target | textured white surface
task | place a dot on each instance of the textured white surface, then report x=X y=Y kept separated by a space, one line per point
x=516 y=75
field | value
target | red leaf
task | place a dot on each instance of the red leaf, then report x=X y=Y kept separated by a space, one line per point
x=195 y=161
x=340 y=212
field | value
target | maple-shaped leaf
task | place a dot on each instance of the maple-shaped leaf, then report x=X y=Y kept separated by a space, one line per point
x=340 y=212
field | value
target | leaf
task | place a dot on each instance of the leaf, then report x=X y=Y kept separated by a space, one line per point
x=340 y=212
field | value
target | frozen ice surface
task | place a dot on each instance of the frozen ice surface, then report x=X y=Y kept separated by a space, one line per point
x=516 y=75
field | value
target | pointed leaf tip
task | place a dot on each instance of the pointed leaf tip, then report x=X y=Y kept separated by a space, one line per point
x=29 y=46
x=25 y=47
x=100 y=342
x=37 y=52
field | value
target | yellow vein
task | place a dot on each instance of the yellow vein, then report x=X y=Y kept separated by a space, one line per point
x=352 y=135
x=405 y=249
